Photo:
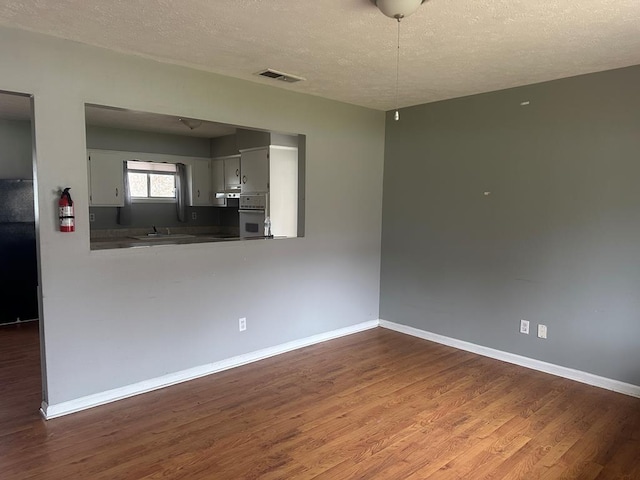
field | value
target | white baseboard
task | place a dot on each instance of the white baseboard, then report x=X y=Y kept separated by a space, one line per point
x=570 y=373
x=83 y=403
x=90 y=401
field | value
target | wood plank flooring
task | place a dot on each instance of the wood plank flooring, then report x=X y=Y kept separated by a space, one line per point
x=375 y=405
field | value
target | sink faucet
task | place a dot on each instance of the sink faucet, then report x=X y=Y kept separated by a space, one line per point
x=157 y=233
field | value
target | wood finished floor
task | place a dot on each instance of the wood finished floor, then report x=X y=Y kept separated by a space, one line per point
x=375 y=405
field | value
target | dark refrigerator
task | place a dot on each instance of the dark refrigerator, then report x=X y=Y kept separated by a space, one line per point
x=18 y=258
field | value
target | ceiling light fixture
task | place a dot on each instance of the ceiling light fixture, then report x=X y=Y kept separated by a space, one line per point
x=398 y=9
x=190 y=124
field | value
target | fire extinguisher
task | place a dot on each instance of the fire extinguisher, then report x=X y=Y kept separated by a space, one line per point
x=65 y=208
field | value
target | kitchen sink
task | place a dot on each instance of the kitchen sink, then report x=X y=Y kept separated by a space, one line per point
x=163 y=236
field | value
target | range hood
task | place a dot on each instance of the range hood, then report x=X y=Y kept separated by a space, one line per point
x=235 y=193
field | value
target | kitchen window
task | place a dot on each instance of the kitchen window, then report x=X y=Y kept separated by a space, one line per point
x=151 y=181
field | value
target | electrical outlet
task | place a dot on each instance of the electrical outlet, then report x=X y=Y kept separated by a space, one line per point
x=524 y=327
x=194 y=215
x=542 y=331
x=92 y=217
x=242 y=324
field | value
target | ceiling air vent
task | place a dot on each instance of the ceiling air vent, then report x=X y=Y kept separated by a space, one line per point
x=275 y=74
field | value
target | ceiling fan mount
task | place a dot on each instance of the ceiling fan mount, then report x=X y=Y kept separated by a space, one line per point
x=397 y=9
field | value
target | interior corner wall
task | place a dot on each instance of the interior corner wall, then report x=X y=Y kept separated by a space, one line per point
x=520 y=204
x=116 y=317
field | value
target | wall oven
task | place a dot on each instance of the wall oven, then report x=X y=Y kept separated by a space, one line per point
x=252 y=214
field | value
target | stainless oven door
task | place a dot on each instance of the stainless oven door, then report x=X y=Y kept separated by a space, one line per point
x=251 y=223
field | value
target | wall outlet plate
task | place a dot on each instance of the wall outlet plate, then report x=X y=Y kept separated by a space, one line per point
x=542 y=331
x=524 y=327
x=242 y=324
x=194 y=215
x=92 y=217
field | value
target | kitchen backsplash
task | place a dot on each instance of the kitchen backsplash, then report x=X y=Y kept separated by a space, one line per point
x=164 y=215
x=97 y=234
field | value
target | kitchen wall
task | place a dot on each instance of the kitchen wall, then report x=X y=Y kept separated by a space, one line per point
x=16 y=157
x=104 y=138
x=496 y=211
x=115 y=317
x=228 y=145
x=146 y=215
x=224 y=146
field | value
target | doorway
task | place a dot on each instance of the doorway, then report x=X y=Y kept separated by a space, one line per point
x=20 y=337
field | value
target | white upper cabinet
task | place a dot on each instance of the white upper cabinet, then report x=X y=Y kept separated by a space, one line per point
x=217 y=181
x=232 y=173
x=255 y=170
x=199 y=178
x=106 y=178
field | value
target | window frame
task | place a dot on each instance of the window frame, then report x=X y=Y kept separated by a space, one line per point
x=148 y=172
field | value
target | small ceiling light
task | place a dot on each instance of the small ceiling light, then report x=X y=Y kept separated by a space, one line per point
x=398 y=9
x=190 y=124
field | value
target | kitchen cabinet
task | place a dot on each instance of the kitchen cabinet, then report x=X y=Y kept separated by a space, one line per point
x=274 y=170
x=199 y=179
x=106 y=178
x=217 y=182
x=225 y=178
x=232 y=173
x=255 y=170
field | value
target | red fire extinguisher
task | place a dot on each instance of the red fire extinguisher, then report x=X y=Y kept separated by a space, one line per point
x=65 y=208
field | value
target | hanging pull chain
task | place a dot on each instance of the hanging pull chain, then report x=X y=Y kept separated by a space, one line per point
x=397 y=114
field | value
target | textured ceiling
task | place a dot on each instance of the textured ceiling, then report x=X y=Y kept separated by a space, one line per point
x=346 y=48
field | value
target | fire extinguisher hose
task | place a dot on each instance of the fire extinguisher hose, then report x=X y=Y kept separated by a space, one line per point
x=65 y=193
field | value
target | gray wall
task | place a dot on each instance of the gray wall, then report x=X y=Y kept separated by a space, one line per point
x=16 y=158
x=150 y=142
x=252 y=138
x=556 y=242
x=224 y=146
x=112 y=318
x=245 y=139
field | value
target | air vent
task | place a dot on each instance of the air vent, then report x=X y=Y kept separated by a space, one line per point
x=284 y=77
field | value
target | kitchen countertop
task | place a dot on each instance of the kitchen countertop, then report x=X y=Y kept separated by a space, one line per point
x=129 y=242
